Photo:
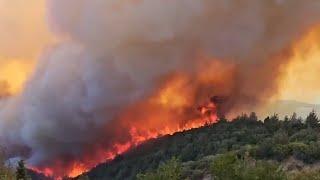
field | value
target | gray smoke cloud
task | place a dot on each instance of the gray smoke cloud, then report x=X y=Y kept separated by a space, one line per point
x=114 y=53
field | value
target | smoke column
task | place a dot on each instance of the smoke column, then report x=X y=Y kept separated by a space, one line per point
x=125 y=64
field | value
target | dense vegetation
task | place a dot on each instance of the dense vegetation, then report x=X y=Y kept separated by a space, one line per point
x=228 y=166
x=248 y=143
x=17 y=171
x=244 y=148
x=8 y=172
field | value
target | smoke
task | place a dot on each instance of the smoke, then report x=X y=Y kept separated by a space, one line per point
x=118 y=56
x=302 y=71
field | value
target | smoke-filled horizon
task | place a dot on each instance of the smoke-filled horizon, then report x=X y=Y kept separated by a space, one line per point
x=145 y=66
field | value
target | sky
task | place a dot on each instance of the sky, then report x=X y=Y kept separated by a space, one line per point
x=303 y=74
x=24 y=34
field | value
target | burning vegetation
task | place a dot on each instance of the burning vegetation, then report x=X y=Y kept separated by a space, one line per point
x=126 y=72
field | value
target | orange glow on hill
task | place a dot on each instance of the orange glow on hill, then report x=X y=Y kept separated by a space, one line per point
x=173 y=107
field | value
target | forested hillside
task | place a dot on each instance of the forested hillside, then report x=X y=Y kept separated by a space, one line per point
x=243 y=148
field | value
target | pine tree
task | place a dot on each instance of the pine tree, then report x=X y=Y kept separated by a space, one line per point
x=253 y=116
x=312 y=120
x=21 y=172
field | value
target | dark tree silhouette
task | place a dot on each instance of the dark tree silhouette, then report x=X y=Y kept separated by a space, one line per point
x=312 y=120
x=253 y=116
x=21 y=172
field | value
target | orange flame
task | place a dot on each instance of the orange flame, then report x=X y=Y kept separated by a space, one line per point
x=171 y=108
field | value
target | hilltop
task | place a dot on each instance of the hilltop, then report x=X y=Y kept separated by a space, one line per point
x=273 y=139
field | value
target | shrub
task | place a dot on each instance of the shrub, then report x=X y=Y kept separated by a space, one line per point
x=230 y=167
x=6 y=173
x=305 y=135
x=305 y=175
x=225 y=167
x=171 y=170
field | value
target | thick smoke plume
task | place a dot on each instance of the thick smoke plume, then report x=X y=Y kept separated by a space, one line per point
x=133 y=67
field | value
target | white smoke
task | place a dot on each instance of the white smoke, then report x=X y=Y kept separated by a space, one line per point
x=116 y=50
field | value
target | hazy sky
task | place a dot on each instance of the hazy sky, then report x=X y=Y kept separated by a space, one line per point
x=302 y=81
x=24 y=34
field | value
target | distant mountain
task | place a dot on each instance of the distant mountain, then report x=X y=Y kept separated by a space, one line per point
x=288 y=107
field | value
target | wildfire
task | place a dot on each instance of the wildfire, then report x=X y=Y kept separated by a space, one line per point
x=101 y=53
x=172 y=108
x=176 y=105
x=136 y=139
x=46 y=171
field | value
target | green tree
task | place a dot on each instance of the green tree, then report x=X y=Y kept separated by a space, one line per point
x=253 y=116
x=230 y=167
x=261 y=170
x=21 y=173
x=272 y=123
x=171 y=170
x=294 y=117
x=6 y=172
x=306 y=135
x=224 y=167
x=280 y=137
x=305 y=175
x=84 y=177
x=294 y=124
x=312 y=120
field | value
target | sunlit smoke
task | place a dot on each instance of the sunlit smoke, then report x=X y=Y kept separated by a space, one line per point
x=128 y=71
x=13 y=74
x=299 y=81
